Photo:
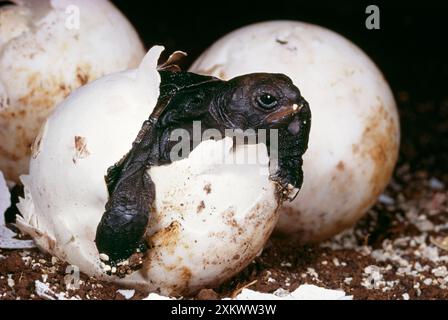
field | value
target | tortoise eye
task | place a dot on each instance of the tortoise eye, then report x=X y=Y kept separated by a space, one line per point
x=267 y=101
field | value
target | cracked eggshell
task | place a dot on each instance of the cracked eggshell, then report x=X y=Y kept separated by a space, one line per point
x=7 y=236
x=44 y=56
x=212 y=217
x=354 y=139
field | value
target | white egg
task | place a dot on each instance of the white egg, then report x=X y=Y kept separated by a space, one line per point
x=47 y=49
x=212 y=216
x=354 y=137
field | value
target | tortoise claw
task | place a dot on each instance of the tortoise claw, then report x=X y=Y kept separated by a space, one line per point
x=287 y=190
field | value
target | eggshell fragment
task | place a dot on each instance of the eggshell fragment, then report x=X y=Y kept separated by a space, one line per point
x=354 y=139
x=5 y=196
x=213 y=214
x=47 y=49
x=7 y=236
x=303 y=292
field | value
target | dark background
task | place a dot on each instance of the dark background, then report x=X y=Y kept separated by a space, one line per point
x=411 y=49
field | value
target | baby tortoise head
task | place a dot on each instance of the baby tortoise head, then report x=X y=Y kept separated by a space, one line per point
x=259 y=101
x=254 y=101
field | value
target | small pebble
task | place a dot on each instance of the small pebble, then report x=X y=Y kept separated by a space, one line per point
x=104 y=257
x=286 y=264
x=385 y=199
x=207 y=294
x=436 y=184
x=11 y=282
x=127 y=294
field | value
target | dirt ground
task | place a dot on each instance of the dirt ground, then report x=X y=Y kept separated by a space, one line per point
x=399 y=250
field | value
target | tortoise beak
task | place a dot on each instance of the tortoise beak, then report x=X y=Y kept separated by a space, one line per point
x=285 y=113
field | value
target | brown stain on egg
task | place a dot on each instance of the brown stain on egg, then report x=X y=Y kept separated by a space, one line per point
x=18 y=128
x=6 y=153
x=200 y=207
x=83 y=74
x=340 y=166
x=36 y=146
x=44 y=92
x=182 y=288
x=379 y=144
x=81 y=151
x=185 y=275
x=22 y=118
x=229 y=218
x=208 y=188
x=167 y=238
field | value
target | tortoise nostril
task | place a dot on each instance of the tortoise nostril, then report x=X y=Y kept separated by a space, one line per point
x=304 y=106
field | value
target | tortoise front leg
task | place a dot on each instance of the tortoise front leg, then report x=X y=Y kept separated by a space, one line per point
x=124 y=222
x=291 y=145
x=131 y=195
x=289 y=174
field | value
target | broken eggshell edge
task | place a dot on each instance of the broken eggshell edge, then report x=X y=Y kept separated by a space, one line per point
x=8 y=238
x=212 y=218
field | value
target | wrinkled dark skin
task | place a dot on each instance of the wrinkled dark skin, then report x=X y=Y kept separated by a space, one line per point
x=254 y=101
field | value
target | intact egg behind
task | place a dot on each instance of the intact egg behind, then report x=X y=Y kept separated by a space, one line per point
x=354 y=139
x=47 y=49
